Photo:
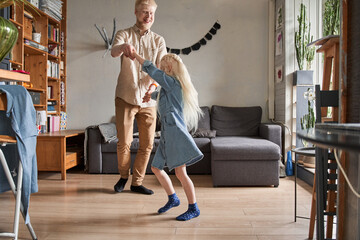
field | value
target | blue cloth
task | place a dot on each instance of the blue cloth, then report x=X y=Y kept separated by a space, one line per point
x=20 y=110
x=176 y=146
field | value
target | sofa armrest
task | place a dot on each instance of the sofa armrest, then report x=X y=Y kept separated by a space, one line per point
x=271 y=132
x=94 y=155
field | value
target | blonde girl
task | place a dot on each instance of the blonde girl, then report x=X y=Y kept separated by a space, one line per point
x=179 y=111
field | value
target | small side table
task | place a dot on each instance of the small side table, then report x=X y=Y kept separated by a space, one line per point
x=305 y=151
x=59 y=151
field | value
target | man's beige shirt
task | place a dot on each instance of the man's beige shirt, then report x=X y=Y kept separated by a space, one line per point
x=132 y=81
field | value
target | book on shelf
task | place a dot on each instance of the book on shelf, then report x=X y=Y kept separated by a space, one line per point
x=35 y=45
x=53 y=33
x=51 y=103
x=49 y=92
x=62 y=93
x=62 y=42
x=53 y=69
x=53 y=123
x=53 y=49
x=53 y=8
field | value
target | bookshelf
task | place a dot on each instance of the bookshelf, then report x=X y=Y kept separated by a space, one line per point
x=44 y=58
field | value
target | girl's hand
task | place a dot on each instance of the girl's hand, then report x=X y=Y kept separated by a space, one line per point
x=147 y=97
x=138 y=57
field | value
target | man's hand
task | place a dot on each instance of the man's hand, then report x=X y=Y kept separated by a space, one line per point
x=128 y=51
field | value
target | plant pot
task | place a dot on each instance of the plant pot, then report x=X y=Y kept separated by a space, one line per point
x=303 y=77
x=8 y=37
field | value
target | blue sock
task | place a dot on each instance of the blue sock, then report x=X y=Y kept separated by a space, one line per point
x=172 y=202
x=192 y=212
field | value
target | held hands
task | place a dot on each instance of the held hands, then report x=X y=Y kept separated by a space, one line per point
x=138 y=57
x=128 y=51
x=134 y=55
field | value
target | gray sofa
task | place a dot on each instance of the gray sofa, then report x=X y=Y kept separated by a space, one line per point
x=238 y=149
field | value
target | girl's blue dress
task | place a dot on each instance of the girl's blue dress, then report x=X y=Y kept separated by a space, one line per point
x=177 y=147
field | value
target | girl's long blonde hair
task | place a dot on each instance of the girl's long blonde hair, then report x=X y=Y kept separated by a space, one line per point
x=192 y=111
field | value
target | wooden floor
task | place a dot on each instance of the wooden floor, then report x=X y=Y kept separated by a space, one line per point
x=86 y=207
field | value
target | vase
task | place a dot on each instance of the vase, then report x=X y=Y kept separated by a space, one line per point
x=8 y=37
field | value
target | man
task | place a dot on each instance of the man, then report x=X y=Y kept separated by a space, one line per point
x=131 y=87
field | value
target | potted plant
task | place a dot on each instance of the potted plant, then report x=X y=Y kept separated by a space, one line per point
x=304 y=54
x=303 y=79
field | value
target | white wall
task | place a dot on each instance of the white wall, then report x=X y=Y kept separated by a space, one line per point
x=230 y=70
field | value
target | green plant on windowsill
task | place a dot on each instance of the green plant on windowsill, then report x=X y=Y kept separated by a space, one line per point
x=302 y=39
x=331 y=18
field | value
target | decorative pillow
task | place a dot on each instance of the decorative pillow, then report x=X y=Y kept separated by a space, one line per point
x=108 y=131
x=204 y=133
x=204 y=121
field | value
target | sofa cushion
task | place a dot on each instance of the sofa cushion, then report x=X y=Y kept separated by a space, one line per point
x=204 y=133
x=243 y=148
x=203 y=144
x=109 y=147
x=236 y=121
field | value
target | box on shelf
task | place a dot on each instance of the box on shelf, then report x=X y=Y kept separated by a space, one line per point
x=35 y=96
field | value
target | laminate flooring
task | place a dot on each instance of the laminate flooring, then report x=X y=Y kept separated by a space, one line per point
x=85 y=206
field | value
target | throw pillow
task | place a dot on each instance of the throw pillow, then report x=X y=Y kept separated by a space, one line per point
x=204 y=133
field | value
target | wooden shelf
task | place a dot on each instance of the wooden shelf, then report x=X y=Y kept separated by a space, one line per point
x=39 y=106
x=53 y=42
x=16 y=23
x=53 y=57
x=38 y=62
x=6 y=75
x=36 y=89
x=29 y=50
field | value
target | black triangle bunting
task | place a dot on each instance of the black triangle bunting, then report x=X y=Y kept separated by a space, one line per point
x=196 y=46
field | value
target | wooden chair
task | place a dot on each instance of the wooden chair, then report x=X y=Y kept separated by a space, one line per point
x=325 y=99
x=16 y=189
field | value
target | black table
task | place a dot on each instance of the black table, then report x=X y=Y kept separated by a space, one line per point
x=339 y=136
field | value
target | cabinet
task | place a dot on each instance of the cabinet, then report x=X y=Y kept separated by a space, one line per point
x=44 y=59
x=59 y=151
